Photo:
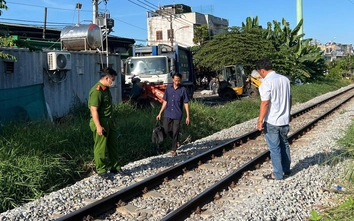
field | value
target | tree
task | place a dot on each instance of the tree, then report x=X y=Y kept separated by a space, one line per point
x=201 y=34
x=5 y=41
x=233 y=47
x=342 y=67
x=297 y=58
x=251 y=24
x=244 y=45
x=2 y=6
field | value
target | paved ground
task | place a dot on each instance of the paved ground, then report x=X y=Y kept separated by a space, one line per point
x=205 y=94
x=208 y=98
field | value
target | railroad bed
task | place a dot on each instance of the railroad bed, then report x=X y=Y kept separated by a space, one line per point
x=291 y=198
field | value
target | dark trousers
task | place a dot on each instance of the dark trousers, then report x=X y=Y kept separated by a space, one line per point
x=171 y=127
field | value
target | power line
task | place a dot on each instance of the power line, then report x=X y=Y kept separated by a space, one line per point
x=164 y=13
x=64 y=9
x=145 y=4
x=183 y=20
x=20 y=20
x=129 y=24
x=151 y=4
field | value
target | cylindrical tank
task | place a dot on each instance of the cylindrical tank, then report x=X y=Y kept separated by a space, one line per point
x=81 y=37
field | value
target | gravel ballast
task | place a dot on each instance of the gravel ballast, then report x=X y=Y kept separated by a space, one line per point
x=288 y=199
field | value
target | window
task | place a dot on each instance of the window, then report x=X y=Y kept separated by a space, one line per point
x=9 y=67
x=158 y=35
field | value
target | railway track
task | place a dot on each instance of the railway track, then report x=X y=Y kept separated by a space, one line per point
x=216 y=170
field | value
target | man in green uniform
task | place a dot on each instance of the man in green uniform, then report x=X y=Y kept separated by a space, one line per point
x=103 y=126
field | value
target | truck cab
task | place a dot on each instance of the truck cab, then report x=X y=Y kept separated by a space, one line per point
x=153 y=66
x=154 y=69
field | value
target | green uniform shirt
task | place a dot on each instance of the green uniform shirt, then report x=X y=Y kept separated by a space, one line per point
x=100 y=96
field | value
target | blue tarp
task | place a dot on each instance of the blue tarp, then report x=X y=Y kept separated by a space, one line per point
x=23 y=104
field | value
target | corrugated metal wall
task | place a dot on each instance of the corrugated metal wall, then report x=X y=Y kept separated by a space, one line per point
x=60 y=88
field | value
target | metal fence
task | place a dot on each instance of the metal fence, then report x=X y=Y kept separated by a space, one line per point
x=62 y=87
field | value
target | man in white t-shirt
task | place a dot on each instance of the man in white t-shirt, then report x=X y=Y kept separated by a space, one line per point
x=274 y=117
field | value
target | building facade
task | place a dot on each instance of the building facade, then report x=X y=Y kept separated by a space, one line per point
x=175 y=24
x=333 y=50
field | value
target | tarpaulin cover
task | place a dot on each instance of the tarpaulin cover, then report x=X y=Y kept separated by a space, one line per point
x=23 y=104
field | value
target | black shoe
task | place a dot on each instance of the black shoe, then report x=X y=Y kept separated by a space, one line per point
x=287 y=174
x=120 y=172
x=104 y=175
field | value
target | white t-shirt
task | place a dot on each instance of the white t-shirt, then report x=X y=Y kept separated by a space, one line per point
x=276 y=89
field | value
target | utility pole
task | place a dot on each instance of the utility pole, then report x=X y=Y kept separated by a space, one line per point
x=105 y=30
x=171 y=30
x=94 y=10
x=45 y=22
x=299 y=15
x=172 y=15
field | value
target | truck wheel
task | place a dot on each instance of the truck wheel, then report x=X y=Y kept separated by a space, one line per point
x=253 y=92
x=228 y=94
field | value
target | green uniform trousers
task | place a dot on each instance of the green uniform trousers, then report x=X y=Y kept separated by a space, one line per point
x=103 y=144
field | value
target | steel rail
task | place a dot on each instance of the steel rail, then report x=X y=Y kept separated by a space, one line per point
x=135 y=190
x=207 y=195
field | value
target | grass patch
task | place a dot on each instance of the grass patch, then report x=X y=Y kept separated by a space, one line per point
x=303 y=93
x=345 y=211
x=38 y=158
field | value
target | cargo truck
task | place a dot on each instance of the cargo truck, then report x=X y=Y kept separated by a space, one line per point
x=148 y=72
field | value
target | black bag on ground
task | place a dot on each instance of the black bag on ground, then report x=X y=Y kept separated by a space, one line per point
x=158 y=133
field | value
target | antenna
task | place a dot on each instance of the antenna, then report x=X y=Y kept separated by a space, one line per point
x=78 y=6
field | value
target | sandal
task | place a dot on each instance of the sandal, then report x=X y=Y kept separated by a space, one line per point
x=173 y=153
x=269 y=176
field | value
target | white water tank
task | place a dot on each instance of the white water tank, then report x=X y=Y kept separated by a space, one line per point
x=81 y=37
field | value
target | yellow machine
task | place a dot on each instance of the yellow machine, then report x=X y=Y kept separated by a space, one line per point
x=233 y=83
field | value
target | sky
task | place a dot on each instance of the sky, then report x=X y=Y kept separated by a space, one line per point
x=324 y=20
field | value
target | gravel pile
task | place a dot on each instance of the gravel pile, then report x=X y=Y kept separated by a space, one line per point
x=289 y=199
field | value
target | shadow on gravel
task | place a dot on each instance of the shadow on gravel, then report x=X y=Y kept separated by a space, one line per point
x=190 y=150
x=325 y=158
x=184 y=153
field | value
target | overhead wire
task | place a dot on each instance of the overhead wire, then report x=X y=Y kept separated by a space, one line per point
x=21 y=20
x=164 y=13
x=56 y=23
x=153 y=8
x=151 y=4
x=150 y=7
x=148 y=4
x=183 y=20
x=38 y=6
x=74 y=14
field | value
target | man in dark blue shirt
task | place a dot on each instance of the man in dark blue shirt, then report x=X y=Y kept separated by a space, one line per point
x=173 y=100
